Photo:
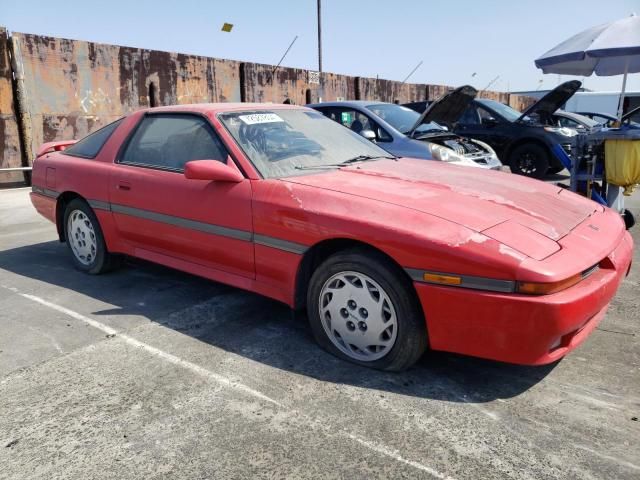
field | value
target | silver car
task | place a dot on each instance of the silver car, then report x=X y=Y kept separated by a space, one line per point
x=406 y=133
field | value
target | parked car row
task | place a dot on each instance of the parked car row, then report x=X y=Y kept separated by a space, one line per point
x=387 y=256
x=471 y=131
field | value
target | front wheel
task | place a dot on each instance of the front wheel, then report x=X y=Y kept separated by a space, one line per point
x=530 y=160
x=85 y=240
x=363 y=309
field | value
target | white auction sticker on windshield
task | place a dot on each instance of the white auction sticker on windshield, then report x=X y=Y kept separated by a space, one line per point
x=260 y=118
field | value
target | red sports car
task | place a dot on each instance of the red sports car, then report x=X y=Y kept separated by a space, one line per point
x=389 y=256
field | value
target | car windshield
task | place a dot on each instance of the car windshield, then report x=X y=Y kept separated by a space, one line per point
x=402 y=118
x=283 y=143
x=505 y=111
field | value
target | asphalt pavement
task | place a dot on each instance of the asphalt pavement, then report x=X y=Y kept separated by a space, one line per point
x=147 y=372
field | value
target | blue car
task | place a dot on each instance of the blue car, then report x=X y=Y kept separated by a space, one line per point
x=406 y=133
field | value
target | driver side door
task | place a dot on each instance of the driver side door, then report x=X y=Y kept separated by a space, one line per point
x=163 y=215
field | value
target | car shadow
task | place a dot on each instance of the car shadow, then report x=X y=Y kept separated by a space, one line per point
x=260 y=329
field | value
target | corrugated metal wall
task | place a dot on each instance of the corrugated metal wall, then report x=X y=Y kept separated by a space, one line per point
x=262 y=84
x=390 y=90
x=68 y=88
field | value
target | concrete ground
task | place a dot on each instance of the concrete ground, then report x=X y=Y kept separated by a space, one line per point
x=152 y=373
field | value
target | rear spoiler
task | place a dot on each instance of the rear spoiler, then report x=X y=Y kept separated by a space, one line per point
x=54 y=147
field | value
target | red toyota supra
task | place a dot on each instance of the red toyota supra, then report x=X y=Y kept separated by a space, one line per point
x=389 y=256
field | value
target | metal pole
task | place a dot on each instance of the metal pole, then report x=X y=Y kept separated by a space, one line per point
x=320 y=89
x=624 y=87
x=284 y=55
x=412 y=72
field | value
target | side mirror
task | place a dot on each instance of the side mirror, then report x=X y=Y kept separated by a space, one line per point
x=369 y=135
x=212 y=170
x=490 y=121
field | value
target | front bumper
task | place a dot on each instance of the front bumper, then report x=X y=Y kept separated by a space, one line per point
x=522 y=329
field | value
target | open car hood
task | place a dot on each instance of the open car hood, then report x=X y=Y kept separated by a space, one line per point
x=553 y=100
x=448 y=108
x=631 y=113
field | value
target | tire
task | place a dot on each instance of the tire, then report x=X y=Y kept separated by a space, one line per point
x=629 y=218
x=86 y=244
x=398 y=331
x=530 y=160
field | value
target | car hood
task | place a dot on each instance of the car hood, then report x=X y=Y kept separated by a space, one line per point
x=553 y=100
x=631 y=113
x=448 y=108
x=475 y=198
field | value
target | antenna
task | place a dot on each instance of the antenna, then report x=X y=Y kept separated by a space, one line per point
x=491 y=83
x=284 y=55
x=412 y=72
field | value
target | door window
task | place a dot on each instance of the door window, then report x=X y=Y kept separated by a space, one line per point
x=470 y=116
x=168 y=141
x=356 y=121
x=485 y=114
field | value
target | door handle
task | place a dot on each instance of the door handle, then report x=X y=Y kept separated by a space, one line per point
x=123 y=186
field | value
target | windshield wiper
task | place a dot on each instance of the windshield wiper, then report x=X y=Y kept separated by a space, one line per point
x=365 y=158
x=315 y=167
x=358 y=158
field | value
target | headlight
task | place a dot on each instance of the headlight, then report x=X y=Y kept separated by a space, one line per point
x=440 y=153
x=445 y=154
x=567 y=132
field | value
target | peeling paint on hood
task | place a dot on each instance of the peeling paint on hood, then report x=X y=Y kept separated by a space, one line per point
x=477 y=199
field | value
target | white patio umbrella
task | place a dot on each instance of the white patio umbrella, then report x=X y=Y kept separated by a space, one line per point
x=606 y=50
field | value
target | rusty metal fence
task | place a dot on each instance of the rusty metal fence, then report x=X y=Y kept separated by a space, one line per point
x=55 y=88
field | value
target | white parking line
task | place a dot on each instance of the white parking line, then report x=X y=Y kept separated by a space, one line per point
x=608 y=457
x=378 y=448
x=384 y=450
x=197 y=369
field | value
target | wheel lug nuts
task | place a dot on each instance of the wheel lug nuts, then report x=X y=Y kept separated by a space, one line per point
x=362 y=326
x=351 y=326
x=363 y=312
x=344 y=313
x=352 y=305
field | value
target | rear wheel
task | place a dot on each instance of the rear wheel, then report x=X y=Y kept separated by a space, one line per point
x=85 y=240
x=363 y=309
x=530 y=160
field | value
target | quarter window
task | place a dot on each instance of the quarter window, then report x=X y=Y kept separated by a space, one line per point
x=90 y=146
x=168 y=141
